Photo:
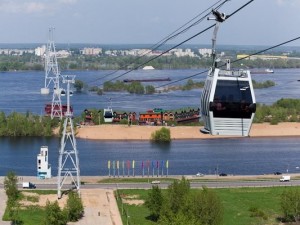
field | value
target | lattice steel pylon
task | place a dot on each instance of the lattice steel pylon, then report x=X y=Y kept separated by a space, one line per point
x=52 y=77
x=68 y=162
x=51 y=65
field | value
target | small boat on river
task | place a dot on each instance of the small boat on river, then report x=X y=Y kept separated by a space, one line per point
x=266 y=71
x=146 y=80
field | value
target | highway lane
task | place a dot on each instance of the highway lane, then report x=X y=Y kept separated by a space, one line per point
x=210 y=184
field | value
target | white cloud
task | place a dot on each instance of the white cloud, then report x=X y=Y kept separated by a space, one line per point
x=67 y=1
x=288 y=2
x=32 y=6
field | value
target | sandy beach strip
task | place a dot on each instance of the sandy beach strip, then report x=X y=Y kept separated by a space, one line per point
x=124 y=132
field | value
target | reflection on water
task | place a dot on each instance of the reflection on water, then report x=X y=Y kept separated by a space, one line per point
x=232 y=156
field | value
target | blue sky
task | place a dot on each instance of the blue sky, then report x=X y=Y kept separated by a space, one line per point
x=263 y=22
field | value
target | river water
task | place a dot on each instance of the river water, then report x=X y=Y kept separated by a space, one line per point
x=20 y=91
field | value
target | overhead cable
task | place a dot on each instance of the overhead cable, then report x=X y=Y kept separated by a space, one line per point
x=169 y=37
x=206 y=29
x=248 y=56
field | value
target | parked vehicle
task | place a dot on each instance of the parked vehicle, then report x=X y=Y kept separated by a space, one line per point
x=285 y=179
x=199 y=175
x=155 y=182
x=28 y=185
x=277 y=173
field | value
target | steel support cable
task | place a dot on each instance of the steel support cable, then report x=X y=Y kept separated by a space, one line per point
x=267 y=49
x=243 y=6
x=169 y=37
x=206 y=29
x=248 y=56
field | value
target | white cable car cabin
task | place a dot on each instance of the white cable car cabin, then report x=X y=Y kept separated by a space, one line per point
x=108 y=115
x=228 y=103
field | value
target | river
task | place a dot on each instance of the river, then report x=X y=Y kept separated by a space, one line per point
x=21 y=93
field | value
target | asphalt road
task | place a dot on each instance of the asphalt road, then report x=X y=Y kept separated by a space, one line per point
x=210 y=184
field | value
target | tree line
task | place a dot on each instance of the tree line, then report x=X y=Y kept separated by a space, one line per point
x=137 y=87
x=29 y=61
x=18 y=124
x=180 y=205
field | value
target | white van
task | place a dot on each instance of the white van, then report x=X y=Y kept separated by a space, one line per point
x=285 y=179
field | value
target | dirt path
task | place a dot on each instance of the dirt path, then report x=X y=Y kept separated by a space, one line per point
x=100 y=207
x=3 y=206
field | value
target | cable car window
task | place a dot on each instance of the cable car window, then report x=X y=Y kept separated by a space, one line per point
x=108 y=115
x=232 y=99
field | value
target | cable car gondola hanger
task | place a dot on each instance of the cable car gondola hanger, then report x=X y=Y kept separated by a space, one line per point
x=227 y=102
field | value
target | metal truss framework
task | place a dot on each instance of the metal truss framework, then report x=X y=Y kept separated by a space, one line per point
x=68 y=163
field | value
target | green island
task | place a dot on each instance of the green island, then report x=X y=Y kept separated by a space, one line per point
x=136 y=87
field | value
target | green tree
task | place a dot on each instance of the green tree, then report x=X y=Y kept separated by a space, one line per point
x=149 y=89
x=74 y=207
x=173 y=201
x=78 y=85
x=12 y=192
x=136 y=88
x=54 y=214
x=154 y=202
x=162 y=135
x=205 y=207
x=290 y=205
x=11 y=187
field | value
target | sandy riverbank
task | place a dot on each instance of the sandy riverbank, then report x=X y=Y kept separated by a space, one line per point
x=124 y=132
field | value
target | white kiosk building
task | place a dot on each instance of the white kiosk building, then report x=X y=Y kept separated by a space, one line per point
x=43 y=166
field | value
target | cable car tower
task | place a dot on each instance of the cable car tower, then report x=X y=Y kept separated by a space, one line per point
x=52 y=76
x=68 y=161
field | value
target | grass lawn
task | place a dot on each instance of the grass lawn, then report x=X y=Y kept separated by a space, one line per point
x=237 y=203
x=32 y=215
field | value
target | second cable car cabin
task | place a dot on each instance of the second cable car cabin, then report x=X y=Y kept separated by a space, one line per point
x=108 y=115
x=228 y=103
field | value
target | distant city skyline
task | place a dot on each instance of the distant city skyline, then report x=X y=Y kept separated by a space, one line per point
x=262 y=22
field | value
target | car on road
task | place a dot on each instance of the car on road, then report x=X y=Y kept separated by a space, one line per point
x=223 y=174
x=199 y=175
x=155 y=182
x=277 y=173
x=28 y=185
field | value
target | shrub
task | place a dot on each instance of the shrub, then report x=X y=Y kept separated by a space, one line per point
x=162 y=135
x=74 y=207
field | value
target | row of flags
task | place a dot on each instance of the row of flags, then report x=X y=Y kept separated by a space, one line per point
x=131 y=164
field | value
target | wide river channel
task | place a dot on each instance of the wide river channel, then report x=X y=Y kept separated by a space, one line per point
x=20 y=91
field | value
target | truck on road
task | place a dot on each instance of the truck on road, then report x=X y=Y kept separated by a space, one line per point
x=285 y=178
x=28 y=185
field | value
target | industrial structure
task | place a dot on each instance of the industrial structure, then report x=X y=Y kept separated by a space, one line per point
x=43 y=166
x=68 y=162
